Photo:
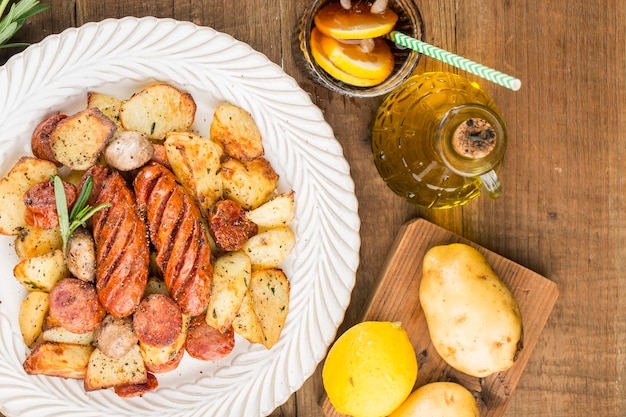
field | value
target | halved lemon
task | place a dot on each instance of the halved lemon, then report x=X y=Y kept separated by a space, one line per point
x=356 y=23
x=324 y=61
x=376 y=64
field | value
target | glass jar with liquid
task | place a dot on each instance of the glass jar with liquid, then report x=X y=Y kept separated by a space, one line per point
x=438 y=140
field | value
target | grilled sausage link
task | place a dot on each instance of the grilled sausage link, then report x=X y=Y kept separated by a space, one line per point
x=122 y=249
x=180 y=238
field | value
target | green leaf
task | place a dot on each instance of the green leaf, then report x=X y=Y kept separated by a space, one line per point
x=61 y=203
x=15 y=19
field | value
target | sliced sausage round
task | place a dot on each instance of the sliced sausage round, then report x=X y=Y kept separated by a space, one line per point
x=207 y=343
x=40 y=141
x=74 y=303
x=40 y=202
x=158 y=320
x=229 y=226
x=137 y=390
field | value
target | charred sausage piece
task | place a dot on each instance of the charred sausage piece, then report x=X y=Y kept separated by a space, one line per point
x=41 y=208
x=160 y=156
x=180 y=238
x=136 y=390
x=229 y=226
x=122 y=251
x=158 y=320
x=40 y=141
x=207 y=343
x=115 y=336
x=98 y=174
x=74 y=304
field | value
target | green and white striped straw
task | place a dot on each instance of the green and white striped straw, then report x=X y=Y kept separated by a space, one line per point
x=456 y=60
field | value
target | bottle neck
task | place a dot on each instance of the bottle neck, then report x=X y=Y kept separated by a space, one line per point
x=471 y=139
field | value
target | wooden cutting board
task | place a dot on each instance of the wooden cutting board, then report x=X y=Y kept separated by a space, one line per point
x=396 y=299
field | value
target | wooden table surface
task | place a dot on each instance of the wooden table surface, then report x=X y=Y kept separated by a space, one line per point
x=563 y=211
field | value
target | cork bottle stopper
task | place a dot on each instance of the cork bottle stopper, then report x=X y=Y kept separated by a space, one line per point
x=475 y=138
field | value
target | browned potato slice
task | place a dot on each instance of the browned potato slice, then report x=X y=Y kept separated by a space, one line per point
x=231 y=275
x=33 y=311
x=108 y=105
x=158 y=109
x=269 y=290
x=60 y=334
x=248 y=183
x=246 y=323
x=26 y=172
x=42 y=272
x=64 y=360
x=78 y=140
x=33 y=241
x=104 y=372
x=279 y=211
x=270 y=247
x=196 y=163
x=235 y=129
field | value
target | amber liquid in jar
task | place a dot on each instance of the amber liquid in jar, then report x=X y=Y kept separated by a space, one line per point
x=413 y=139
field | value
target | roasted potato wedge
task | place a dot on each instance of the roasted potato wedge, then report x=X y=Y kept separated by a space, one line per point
x=54 y=332
x=108 y=105
x=246 y=323
x=33 y=311
x=248 y=183
x=78 y=140
x=270 y=247
x=269 y=292
x=158 y=109
x=42 y=272
x=196 y=163
x=63 y=360
x=26 y=172
x=279 y=211
x=104 y=372
x=33 y=241
x=237 y=132
x=231 y=275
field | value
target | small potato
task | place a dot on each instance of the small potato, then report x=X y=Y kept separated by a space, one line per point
x=248 y=183
x=80 y=255
x=128 y=150
x=78 y=140
x=108 y=105
x=279 y=211
x=26 y=172
x=33 y=311
x=42 y=272
x=269 y=291
x=269 y=248
x=474 y=321
x=439 y=399
x=33 y=241
x=158 y=109
x=63 y=360
x=237 y=132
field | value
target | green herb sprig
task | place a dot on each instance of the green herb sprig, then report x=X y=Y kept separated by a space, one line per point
x=15 y=18
x=81 y=212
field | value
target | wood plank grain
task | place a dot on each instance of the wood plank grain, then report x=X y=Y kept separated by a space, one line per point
x=397 y=299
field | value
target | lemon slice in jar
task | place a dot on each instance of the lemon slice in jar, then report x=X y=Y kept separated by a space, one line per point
x=324 y=61
x=349 y=57
x=356 y=23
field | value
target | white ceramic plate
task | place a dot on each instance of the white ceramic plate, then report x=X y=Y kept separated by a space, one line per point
x=119 y=57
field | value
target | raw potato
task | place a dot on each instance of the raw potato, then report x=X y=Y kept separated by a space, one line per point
x=279 y=211
x=269 y=291
x=42 y=272
x=78 y=140
x=270 y=247
x=439 y=399
x=64 y=360
x=33 y=241
x=104 y=372
x=473 y=319
x=231 y=275
x=33 y=311
x=108 y=105
x=246 y=323
x=128 y=150
x=196 y=163
x=237 y=132
x=26 y=172
x=158 y=109
x=248 y=183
